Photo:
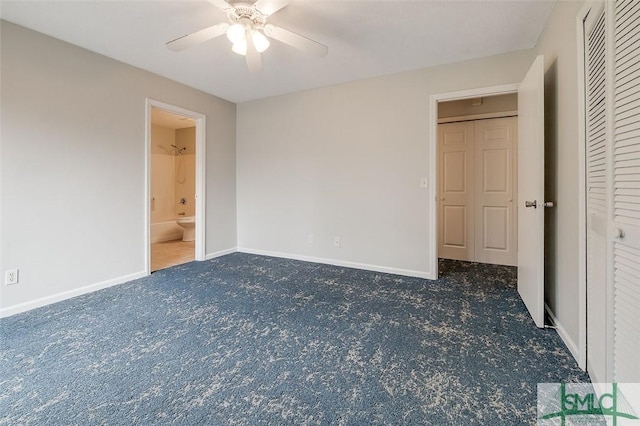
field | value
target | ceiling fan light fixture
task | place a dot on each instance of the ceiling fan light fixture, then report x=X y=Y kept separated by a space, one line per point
x=236 y=33
x=260 y=41
x=248 y=31
x=240 y=47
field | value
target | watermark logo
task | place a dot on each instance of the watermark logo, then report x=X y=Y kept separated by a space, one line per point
x=578 y=404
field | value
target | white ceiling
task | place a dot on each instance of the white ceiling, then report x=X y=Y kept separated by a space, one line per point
x=167 y=119
x=366 y=38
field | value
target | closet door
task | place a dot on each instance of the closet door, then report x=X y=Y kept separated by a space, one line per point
x=625 y=226
x=496 y=228
x=456 y=198
x=597 y=194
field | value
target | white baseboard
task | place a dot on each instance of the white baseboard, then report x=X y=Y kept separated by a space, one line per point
x=23 y=307
x=568 y=341
x=210 y=256
x=43 y=301
x=335 y=262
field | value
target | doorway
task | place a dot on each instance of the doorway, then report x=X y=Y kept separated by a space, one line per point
x=477 y=180
x=451 y=110
x=175 y=186
x=530 y=263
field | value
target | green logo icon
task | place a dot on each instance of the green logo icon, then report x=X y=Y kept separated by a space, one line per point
x=577 y=403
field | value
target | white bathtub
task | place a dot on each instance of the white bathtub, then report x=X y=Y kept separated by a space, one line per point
x=165 y=231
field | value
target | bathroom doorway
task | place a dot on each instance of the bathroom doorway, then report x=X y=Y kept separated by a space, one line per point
x=175 y=170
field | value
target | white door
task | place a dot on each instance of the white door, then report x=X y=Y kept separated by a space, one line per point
x=456 y=204
x=495 y=145
x=596 y=197
x=612 y=148
x=625 y=198
x=531 y=191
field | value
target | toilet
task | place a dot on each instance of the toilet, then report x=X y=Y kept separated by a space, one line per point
x=189 y=225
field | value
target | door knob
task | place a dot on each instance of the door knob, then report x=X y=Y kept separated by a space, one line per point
x=618 y=233
x=548 y=203
x=533 y=204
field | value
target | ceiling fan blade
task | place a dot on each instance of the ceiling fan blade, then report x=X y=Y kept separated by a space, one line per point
x=198 y=37
x=269 y=7
x=254 y=61
x=222 y=5
x=296 y=40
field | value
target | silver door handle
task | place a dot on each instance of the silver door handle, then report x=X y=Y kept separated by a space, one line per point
x=534 y=204
x=618 y=233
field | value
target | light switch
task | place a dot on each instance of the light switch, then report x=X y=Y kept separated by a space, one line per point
x=424 y=182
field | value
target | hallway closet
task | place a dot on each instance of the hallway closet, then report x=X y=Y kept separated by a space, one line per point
x=477 y=190
x=612 y=186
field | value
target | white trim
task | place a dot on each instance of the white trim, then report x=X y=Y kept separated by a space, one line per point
x=334 y=262
x=58 y=297
x=200 y=120
x=432 y=226
x=484 y=116
x=600 y=389
x=147 y=188
x=609 y=9
x=432 y=214
x=582 y=202
x=566 y=338
x=213 y=255
x=201 y=169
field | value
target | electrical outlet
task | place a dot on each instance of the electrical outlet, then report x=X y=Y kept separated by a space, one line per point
x=11 y=277
x=336 y=241
x=310 y=239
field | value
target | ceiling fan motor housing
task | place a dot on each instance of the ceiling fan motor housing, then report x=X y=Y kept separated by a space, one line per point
x=247 y=15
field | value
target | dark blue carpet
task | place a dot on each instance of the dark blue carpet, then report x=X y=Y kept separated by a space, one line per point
x=247 y=339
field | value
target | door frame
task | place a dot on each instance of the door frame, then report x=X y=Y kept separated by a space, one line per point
x=200 y=120
x=504 y=89
x=582 y=182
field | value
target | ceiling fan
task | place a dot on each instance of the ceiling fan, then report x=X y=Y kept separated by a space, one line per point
x=247 y=29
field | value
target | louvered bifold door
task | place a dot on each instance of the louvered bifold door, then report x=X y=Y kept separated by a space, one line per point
x=596 y=168
x=625 y=228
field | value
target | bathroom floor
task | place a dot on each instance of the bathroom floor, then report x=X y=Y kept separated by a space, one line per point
x=171 y=253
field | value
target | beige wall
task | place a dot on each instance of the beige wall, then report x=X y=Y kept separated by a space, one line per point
x=72 y=167
x=500 y=103
x=339 y=161
x=163 y=188
x=173 y=176
x=186 y=138
x=559 y=46
x=347 y=161
x=161 y=139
